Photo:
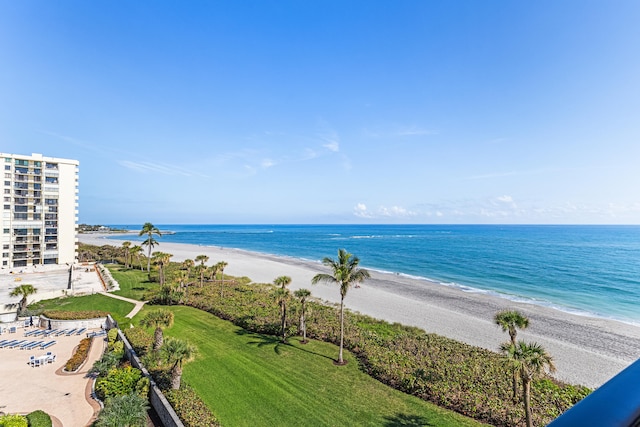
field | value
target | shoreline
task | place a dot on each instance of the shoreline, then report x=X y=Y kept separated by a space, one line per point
x=587 y=350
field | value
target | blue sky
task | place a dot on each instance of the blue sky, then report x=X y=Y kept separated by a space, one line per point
x=331 y=111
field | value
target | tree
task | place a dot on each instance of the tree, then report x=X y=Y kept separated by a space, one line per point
x=126 y=247
x=531 y=361
x=510 y=321
x=188 y=264
x=302 y=294
x=135 y=251
x=161 y=259
x=149 y=230
x=345 y=272
x=23 y=291
x=282 y=296
x=202 y=259
x=129 y=410
x=158 y=319
x=177 y=352
x=221 y=266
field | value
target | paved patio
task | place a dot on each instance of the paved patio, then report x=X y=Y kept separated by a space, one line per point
x=66 y=397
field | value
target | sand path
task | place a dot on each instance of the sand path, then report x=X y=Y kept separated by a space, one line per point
x=586 y=350
x=135 y=310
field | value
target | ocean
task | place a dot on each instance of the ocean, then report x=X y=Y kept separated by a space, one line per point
x=592 y=270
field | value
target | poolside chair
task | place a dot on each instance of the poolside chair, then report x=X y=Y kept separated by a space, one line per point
x=47 y=345
x=12 y=330
x=32 y=361
x=80 y=331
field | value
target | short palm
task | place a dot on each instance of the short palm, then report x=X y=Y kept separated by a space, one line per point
x=158 y=319
x=176 y=352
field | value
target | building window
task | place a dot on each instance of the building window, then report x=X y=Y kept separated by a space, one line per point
x=7 y=167
x=7 y=206
x=5 y=246
x=5 y=255
x=7 y=191
x=5 y=263
x=7 y=159
x=7 y=183
x=6 y=231
x=7 y=175
x=7 y=199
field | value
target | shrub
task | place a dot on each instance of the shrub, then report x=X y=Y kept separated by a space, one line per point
x=13 y=421
x=79 y=356
x=121 y=381
x=190 y=408
x=39 y=419
x=140 y=340
x=107 y=362
x=112 y=337
x=127 y=410
x=74 y=315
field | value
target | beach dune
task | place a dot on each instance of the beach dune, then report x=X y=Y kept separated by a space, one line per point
x=586 y=350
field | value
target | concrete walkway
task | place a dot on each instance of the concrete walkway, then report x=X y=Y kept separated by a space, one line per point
x=135 y=310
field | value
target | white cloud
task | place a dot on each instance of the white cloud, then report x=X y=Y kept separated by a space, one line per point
x=360 y=210
x=395 y=212
x=160 y=168
x=267 y=163
x=505 y=199
x=332 y=146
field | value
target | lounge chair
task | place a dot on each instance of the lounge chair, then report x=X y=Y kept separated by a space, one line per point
x=80 y=331
x=47 y=345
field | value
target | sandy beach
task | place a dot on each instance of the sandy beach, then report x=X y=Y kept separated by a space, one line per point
x=586 y=350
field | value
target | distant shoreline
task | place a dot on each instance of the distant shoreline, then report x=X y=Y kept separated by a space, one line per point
x=587 y=350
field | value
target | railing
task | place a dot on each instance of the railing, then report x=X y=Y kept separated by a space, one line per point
x=615 y=404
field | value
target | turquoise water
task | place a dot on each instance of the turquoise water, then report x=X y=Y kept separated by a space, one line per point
x=585 y=269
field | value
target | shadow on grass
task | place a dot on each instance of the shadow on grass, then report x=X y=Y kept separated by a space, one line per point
x=262 y=340
x=406 y=420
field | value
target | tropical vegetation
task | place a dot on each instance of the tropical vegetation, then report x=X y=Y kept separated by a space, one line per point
x=23 y=291
x=149 y=230
x=510 y=321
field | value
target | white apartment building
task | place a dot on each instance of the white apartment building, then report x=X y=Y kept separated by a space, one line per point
x=40 y=210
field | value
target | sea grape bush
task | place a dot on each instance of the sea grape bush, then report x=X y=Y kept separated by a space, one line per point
x=140 y=340
x=190 y=408
x=120 y=381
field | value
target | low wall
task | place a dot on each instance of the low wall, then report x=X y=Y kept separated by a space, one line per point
x=99 y=322
x=164 y=410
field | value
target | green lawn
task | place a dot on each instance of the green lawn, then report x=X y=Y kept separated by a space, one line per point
x=249 y=379
x=118 y=309
x=133 y=283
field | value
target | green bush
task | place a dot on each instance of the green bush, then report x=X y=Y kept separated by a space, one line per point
x=140 y=340
x=39 y=419
x=13 y=421
x=107 y=362
x=193 y=412
x=74 y=315
x=121 y=381
x=80 y=355
x=112 y=337
x=127 y=410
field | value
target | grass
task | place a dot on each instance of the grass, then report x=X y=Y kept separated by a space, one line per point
x=133 y=283
x=251 y=379
x=118 y=308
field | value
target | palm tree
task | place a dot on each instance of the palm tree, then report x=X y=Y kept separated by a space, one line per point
x=302 y=294
x=136 y=251
x=23 y=291
x=510 y=321
x=183 y=279
x=129 y=410
x=345 y=273
x=126 y=246
x=177 y=352
x=222 y=265
x=188 y=264
x=202 y=259
x=531 y=361
x=158 y=319
x=149 y=230
x=282 y=295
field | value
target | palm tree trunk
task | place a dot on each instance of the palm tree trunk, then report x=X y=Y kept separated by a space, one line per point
x=303 y=326
x=340 y=359
x=515 y=386
x=149 y=260
x=158 y=339
x=176 y=375
x=526 y=391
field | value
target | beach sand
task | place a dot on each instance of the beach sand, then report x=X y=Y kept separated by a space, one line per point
x=586 y=350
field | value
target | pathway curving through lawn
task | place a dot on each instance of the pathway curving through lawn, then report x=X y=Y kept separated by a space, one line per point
x=136 y=309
